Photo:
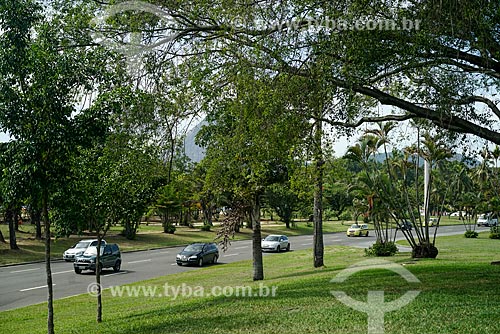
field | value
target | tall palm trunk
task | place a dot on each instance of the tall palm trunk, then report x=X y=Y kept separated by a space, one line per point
x=258 y=266
x=50 y=294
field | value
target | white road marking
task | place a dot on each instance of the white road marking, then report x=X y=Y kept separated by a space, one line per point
x=241 y=247
x=24 y=270
x=173 y=264
x=138 y=261
x=118 y=273
x=227 y=255
x=36 y=287
x=63 y=272
x=163 y=252
x=308 y=244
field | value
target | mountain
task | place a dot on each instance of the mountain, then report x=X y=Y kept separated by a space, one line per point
x=193 y=151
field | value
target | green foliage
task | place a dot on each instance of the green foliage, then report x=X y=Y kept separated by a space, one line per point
x=495 y=232
x=169 y=228
x=471 y=234
x=382 y=249
x=206 y=227
x=282 y=200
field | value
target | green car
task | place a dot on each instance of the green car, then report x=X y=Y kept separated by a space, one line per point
x=357 y=230
x=109 y=257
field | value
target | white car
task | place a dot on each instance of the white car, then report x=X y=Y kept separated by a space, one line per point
x=78 y=249
x=275 y=243
x=487 y=220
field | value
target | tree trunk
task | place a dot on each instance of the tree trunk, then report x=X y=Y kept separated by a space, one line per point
x=9 y=215
x=248 y=215
x=2 y=239
x=16 y=219
x=35 y=220
x=48 y=271
x=258 y=266
x=98 y=276
x=318 y=199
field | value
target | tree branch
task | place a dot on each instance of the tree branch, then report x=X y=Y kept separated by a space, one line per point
x=386 y=118
x=481 y=99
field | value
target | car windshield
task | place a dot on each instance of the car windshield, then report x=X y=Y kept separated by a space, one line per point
x=354 y=226
x=272 y=238
x=93 y=250
x=194 y=248
x=82 y=244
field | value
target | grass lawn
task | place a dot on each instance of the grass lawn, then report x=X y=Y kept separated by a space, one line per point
x=460 y=293
x=149 y=236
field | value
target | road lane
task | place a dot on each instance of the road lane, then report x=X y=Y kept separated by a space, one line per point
x=23 y=285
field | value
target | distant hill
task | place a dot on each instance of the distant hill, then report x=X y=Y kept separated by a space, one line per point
x=193 y=151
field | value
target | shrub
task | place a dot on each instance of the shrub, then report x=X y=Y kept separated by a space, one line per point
x=495 y=232
x=169 y=228
x=471 y=234
x=345 y=216
x=206 y=227
x=382 y=249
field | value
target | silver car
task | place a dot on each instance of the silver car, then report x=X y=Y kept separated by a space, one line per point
x=275 y=243
x=78 y=249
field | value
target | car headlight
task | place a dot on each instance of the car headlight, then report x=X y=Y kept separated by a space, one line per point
x=194 y=257
x=178 y=256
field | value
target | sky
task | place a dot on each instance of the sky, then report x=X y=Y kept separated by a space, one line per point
x=4 y=137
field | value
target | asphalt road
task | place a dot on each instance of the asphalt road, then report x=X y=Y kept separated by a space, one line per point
x=25 y=284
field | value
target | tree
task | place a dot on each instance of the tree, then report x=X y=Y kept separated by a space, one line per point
x=393 y=195
x=282 y=200
x=39 y=104
x=111 y=183
x=377 y=52
x=248 y=141
x=337 y=189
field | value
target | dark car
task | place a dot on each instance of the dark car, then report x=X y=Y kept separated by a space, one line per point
x=198 y=254
x=406 y=226
x=110 y=257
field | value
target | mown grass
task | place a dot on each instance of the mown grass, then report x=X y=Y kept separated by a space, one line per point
x=459 y=294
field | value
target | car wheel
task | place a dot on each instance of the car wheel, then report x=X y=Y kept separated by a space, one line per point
x=278 y=249
x=288 y=248
x=78 y=270
x=214 y=261
x=117 y=266
x=200 y=262
x=366 y=233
